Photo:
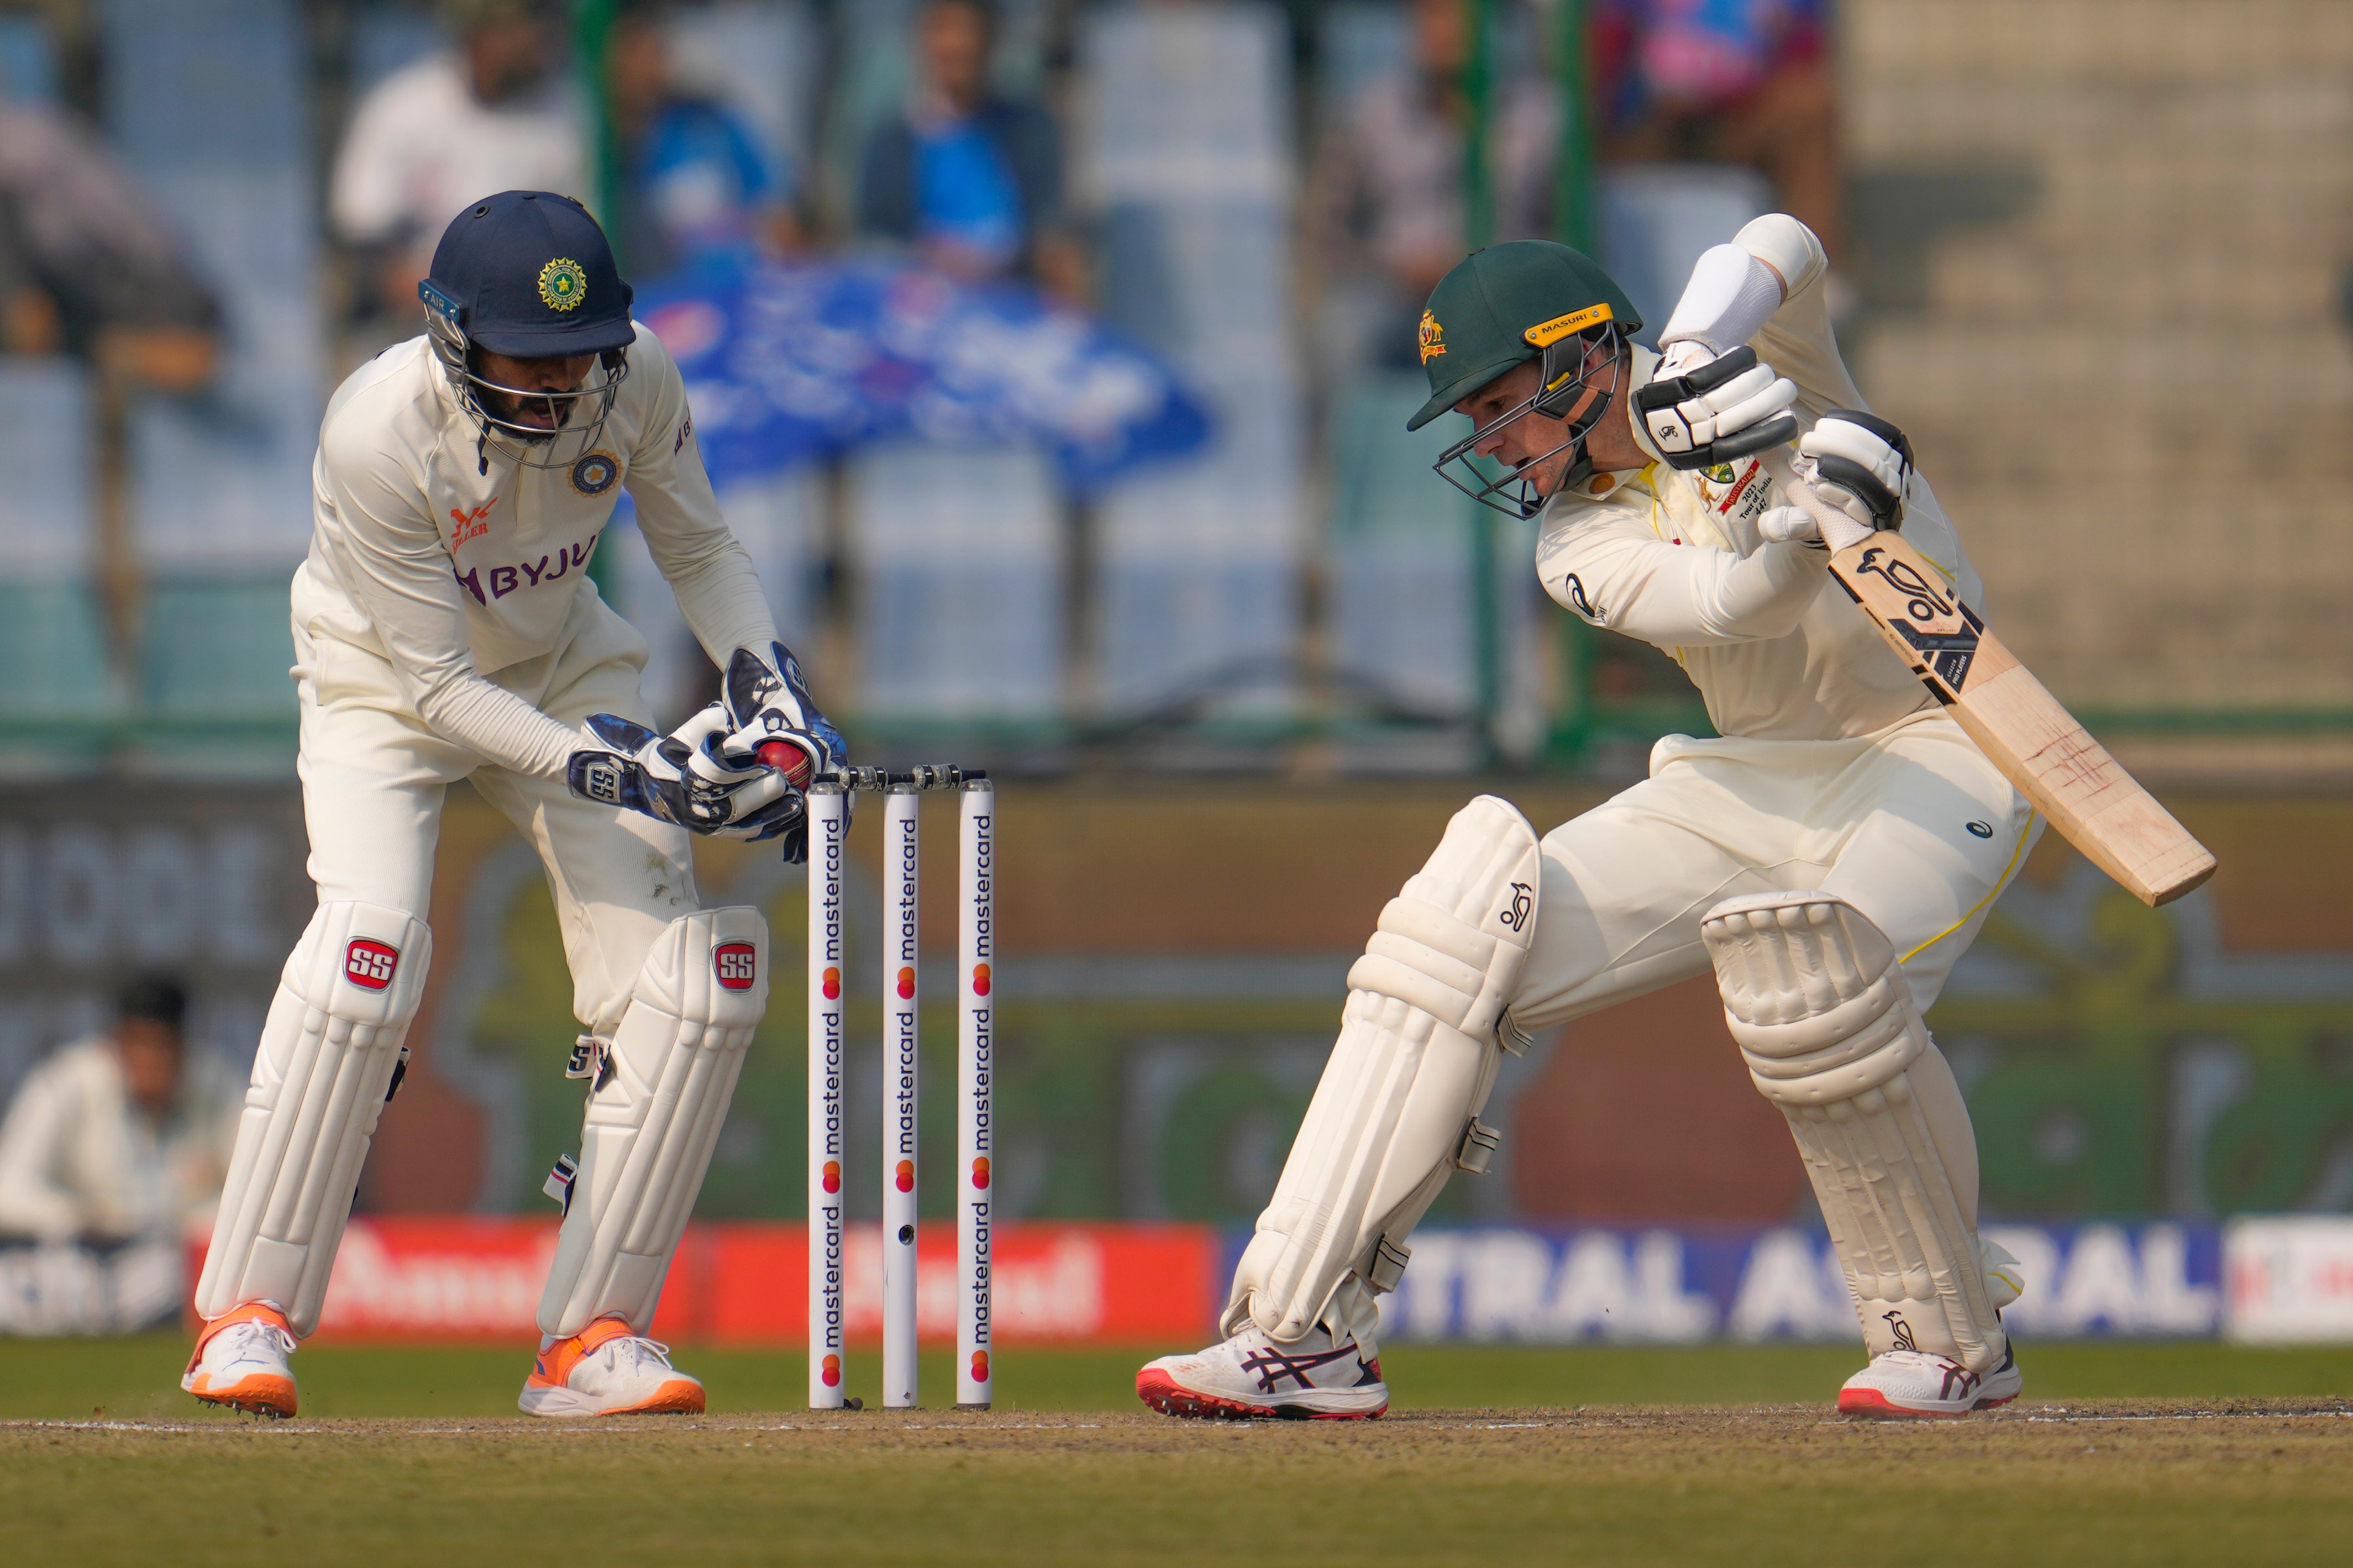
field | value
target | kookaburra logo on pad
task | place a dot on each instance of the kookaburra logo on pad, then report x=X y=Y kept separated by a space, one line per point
x=1516 y=916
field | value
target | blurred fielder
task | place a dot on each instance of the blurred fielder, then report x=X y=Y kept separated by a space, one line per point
x=446 y=628
x=1830 y=857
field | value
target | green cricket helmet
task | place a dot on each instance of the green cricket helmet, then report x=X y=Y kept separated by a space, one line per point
x=1528 y=300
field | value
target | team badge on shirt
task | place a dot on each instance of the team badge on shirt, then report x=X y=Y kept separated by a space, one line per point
x=596 y=471
x=562 y=284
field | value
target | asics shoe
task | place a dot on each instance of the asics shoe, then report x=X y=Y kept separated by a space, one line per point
x=1911 y=1385
x=1252 y=1374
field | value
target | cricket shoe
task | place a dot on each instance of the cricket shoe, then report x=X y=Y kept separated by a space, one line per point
x=240 y=1361
x=1252 y=1374
x=605 y=1370
x=1912 y=1385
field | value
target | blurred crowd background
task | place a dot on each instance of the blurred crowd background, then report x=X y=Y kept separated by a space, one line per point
x=1052 y=359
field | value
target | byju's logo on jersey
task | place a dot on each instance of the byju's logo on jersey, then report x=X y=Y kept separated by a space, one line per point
x=370 y=964
x=502 y=581
x=737 y=964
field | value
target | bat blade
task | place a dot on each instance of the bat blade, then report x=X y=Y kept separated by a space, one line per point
x=2024 y=729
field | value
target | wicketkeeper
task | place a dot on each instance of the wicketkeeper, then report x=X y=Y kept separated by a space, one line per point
x=446 y=628
x=1828 y=857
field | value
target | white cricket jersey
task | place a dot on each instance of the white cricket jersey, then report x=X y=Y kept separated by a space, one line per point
x=454 y=563
x=1673 y=557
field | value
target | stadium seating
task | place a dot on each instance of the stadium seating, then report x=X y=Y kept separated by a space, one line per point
x=956 y=554
x=52 y=635
x=208 y=100
x=29 y=59
x=1186 y=144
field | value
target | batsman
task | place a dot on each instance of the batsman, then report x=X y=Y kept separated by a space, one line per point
x=446 y=627
x=1828 y=856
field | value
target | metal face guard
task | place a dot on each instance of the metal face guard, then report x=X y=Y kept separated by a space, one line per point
x=1568 y=368
x=527 y=446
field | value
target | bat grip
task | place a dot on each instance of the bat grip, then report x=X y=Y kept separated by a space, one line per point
x=787 y=759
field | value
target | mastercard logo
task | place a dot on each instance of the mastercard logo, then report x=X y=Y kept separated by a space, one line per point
x=906 y=1176
x=980 y=1171
x=833 y=1175
x=979 y=1366
x=832 y=985
x=831 y=1372
x=980 y=980
x=907 y=984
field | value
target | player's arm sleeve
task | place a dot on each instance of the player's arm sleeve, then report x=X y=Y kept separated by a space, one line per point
x=32 y=1202
x=1616 y=574
x=704 y=563
x=391 y=560
x=1797 y=339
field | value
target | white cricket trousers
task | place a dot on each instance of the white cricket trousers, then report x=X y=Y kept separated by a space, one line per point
x=1913 y=825
x=373 y=777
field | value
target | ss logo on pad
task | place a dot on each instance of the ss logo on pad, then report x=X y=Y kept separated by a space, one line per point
x=737 y=964
x=369 y=963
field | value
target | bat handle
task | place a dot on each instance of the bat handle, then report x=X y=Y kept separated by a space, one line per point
x=787 y=759
x=1803 y=494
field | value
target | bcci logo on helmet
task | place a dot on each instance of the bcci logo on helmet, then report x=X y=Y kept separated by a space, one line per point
x=562 y=284
x=370 y=964
x=737 y=965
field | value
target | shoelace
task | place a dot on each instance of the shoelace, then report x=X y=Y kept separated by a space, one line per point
x=638 y=1349
x=242 y=1338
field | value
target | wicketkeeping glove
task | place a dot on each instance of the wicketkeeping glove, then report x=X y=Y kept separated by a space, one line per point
x=772 y=718
x=682 y=778
x=1726 y=408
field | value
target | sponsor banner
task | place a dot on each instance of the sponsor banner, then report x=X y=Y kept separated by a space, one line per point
x=2291 y=1278
x=466 y=1277
x=1664 y=1286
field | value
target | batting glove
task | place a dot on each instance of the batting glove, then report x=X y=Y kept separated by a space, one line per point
x=1860 y=464
x=1724 y=408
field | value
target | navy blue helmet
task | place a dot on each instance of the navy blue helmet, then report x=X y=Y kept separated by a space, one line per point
x=529 y=275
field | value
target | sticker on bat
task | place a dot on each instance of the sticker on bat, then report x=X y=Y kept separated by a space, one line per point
x=1942 y=630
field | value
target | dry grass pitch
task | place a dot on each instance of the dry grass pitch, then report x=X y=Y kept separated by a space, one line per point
x=2080 y=1482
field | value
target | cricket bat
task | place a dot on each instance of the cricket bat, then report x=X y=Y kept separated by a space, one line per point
x=2038 y=745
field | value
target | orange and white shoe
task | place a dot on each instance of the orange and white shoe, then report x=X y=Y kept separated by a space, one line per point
x=605 y=1370
x=240 y=1361
x=1912 y=1385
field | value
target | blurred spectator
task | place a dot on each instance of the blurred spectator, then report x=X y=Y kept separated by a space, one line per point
x=88 y=265
x=491 y=115
x=696 y=186
x=973 y=180
x=1386 y=197
x=121 y=1136
x=1724 y=81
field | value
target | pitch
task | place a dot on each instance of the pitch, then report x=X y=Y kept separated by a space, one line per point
x=2109 y=1460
